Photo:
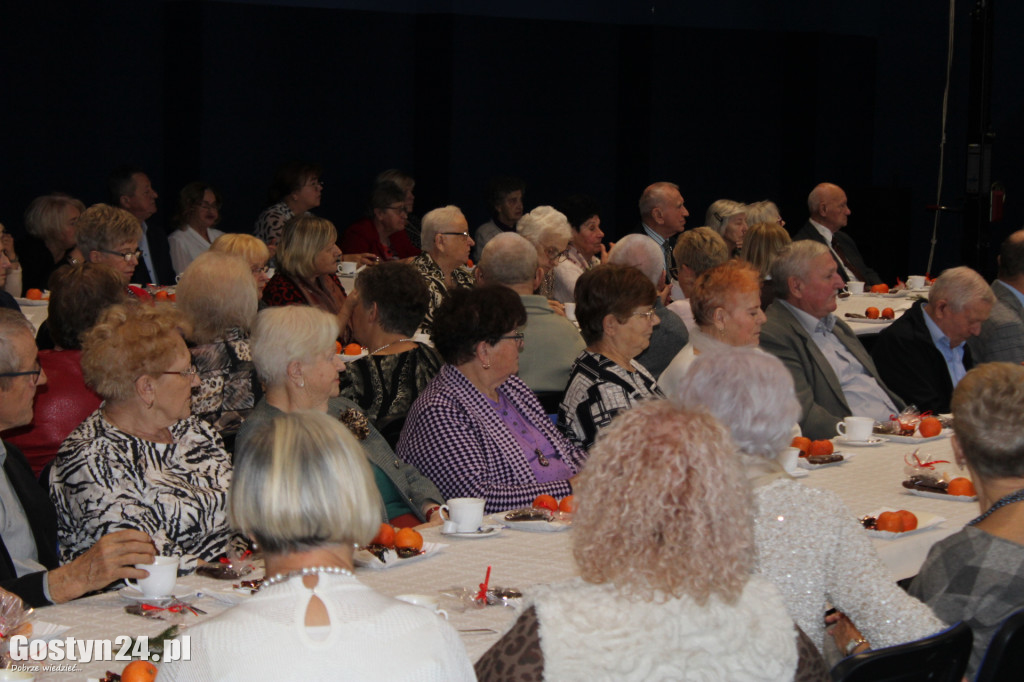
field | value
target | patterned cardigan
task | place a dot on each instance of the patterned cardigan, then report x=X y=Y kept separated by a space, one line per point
x=458 y=440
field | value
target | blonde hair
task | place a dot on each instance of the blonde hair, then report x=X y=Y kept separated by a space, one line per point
x=680 y=522
x=250 y=248
x=102 y=227
x=216 y=293
x=762 y=244
x=130 y=340
x=988 y=416
x=285 y=334
x=302 y=237
x=44 y=218
x=302 y=481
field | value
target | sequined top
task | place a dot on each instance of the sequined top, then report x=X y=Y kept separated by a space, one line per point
x=812 y=547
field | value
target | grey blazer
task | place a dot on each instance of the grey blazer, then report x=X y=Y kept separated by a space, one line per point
x=821 y=398
x=1002 y=334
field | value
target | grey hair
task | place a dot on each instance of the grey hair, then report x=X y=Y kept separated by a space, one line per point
x=960 y=287
x=719 y=213
x=290 y=333
x=302 y=482
x=654 y=195
x=762 y=212
x=217 y=292
x=641 y=252
x=12 y=322
x=508 y=259
x=749 y=391
x=794 y=261
x=437 y=221
x=544 y=221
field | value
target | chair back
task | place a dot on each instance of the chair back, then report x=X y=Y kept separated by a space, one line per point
x=939 y=658
x=1004 y=658
x=550 y=400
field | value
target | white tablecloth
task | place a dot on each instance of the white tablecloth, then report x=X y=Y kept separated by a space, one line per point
x=861 y=302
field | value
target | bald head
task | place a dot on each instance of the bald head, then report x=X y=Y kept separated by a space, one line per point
x=1011 y=259
x=826 y=204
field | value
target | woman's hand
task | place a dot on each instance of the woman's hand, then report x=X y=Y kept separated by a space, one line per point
x=7 y=244
x=361 y=258
x=557 y=307
x=845 y=633
x=603 y=253
x=113 y=557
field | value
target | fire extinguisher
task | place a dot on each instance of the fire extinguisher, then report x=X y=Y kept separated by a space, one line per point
x=997 y=197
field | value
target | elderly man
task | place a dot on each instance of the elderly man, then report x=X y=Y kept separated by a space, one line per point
x=828 y=215
x=1002 y=334
x=552 y=342
x=445 y=237
x=833 y=373
x=696 y=251
x=381 y=234
x=28 y=535
x=131 y=190
x=505 y=199
x=670 y=335
x=663 y=218
x=923 y=355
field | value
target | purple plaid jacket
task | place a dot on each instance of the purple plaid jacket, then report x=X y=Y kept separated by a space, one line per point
x=456 y=439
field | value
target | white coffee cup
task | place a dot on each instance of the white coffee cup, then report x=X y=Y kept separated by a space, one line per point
x=467 y=513
x=788 y=459
x=855 y=286
x=915 y=282
x=856 y=428
x=347 y=268
x=163 y=574
x=570 y=311
x=427 y=601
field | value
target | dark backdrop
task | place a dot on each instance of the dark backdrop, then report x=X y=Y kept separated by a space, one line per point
x=742 y=100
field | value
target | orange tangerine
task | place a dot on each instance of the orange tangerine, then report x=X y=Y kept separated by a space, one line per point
x=353 y=349
x=567 y=504
x=802 y=444
x=820 y=447
x=408 y=538
x=961 y=486
x=909 y=520
x=930 y=426
x=385 y=536
x=34 y=295
x=871 y=313
x=139 y=671
x=545 y=502
x=889 y=521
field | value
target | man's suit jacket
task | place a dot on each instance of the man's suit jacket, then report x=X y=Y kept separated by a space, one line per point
x=911 y=364
x=847 y=246
x=42 y=517
x=822 y=402
x=160 y=252
x=670 y=269
x=1002 y=334
x=667 y=339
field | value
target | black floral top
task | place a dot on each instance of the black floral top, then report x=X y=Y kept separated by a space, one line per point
x=228 y=386
x=386 y=385
x=431 y=271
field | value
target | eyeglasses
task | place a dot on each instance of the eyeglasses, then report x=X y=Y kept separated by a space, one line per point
x=256 y=269
x=129 y=257
x=207 y=206
x=649 y=314
x=518 y=337
x=400 y=209
x=34 y=373
x=185 y=373
x=557 y=256
x=456 y=234
x=314 y=182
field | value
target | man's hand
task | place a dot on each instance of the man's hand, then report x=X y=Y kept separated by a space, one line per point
x=556 y=307
x=112 y=558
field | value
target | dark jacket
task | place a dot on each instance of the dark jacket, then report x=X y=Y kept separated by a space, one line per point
x=847 y=246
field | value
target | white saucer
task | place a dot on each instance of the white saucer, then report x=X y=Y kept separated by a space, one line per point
x=798 y=473
x=870 y=442
x=485 y=531
x=352 y=358
x=133 y=594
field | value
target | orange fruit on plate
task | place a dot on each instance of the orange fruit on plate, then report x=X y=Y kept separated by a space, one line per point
x=545 y=502
x=880 y=289
x=820 y=447
x=961 y=486
x=139 y=671
x=889 y=521
x=161 y=296
x=871 y=313
x=888 y=314
x=802 y=444
x=408 y=538
x=385 y=536
x=909 y=520
x=930 y=426
x=337 y=348
x=353 y=349
x=567 y=504
x=34 y=295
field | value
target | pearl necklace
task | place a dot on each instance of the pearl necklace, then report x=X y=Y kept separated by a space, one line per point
x=388 y=345
x=1016 y=496
x=309 y=570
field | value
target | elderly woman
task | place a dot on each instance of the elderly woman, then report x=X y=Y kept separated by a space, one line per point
x=393 y=298
x=51 y=222
x=549 y=232
x=308 y=274
x=250 y=249
x=293 y=348
x=111 y=236
x=729 y=219
x=762 y=244
x=696 y=251
x=198 y=211
x=726 y=305
x=78 y=294
x=381 y=235
x=809 y=543
x=296 y=191
x=304 y=493
x=407 y=183
x=217 y=295
x=585 y=248
x=764 y=212
x=615 y=311
x=140 y=460
x=478 y=430
x=446 y=244
x=975 y=574
x=670 y=585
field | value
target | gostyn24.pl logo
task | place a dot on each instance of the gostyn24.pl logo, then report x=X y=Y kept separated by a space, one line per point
x=122 y=648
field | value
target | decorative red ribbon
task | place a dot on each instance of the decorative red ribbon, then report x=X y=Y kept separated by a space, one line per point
x=173 y=608
x=922 y=465
x=482 y=595
x=245 y=555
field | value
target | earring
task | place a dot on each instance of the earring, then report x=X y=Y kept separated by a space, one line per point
x=302 y=383
x=486 y=365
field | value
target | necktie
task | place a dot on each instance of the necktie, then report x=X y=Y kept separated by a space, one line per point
x=850 y=270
